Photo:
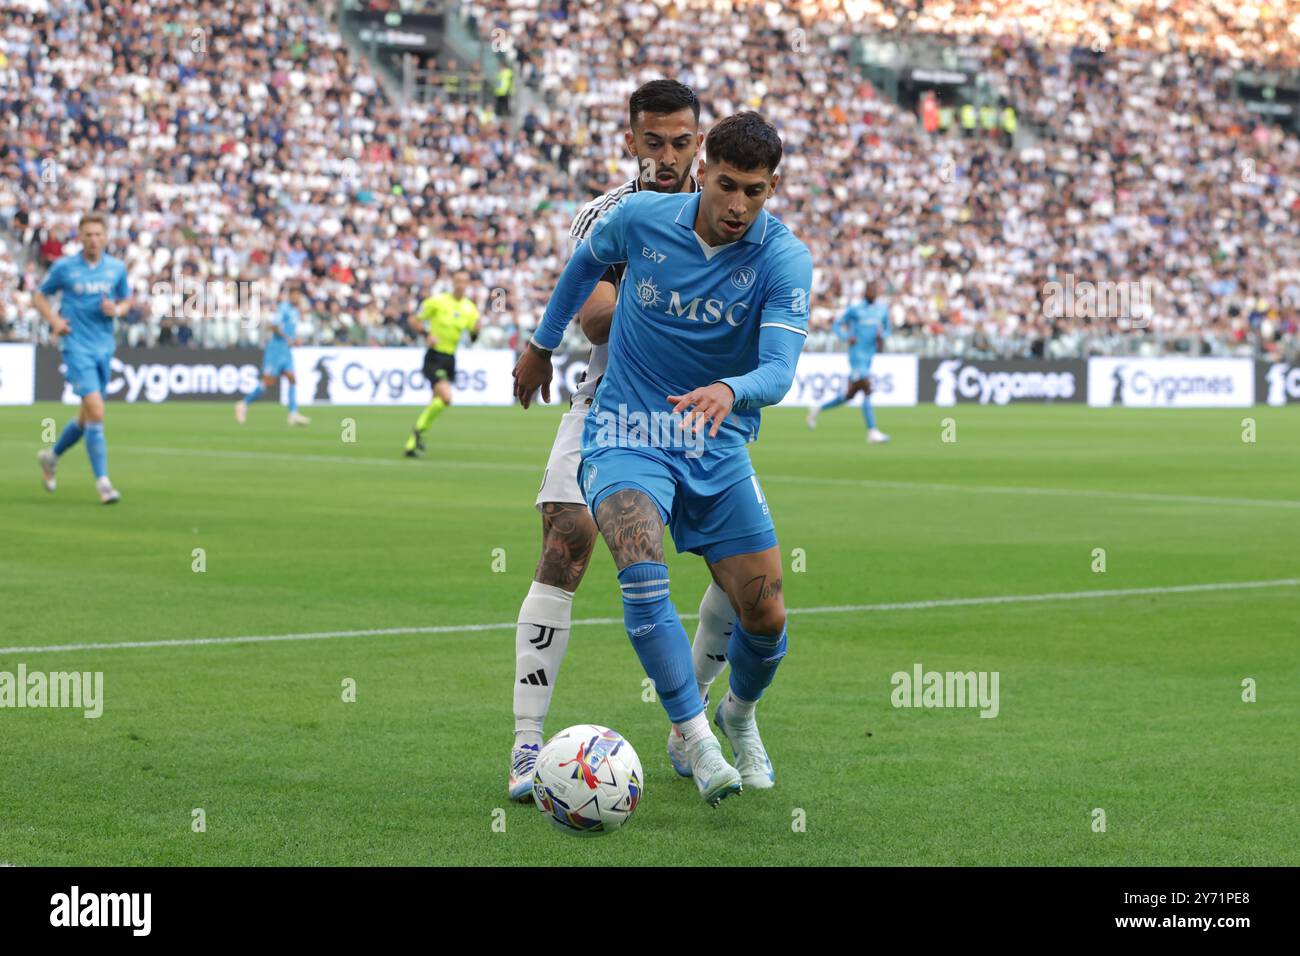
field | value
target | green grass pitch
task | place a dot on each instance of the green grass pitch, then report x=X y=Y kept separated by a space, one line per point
x=1128 y=703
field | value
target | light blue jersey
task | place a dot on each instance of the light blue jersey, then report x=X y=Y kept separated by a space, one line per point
x=688 y=315
x=278 y=358
x=88 y=345
x=863 y=321
x=83 y=288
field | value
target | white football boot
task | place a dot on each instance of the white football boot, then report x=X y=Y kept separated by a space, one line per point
x=751 y=756
x=681 y=761
x=49 y=461
x=296 y=419
x=107 y=493
x=677 y=752
x=812 y=416
x=523 y=761
x=876 y=437
x=716 y=778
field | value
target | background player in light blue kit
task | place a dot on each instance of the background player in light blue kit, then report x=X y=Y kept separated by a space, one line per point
x=277 y=360
x=707 y=329
x=865 y=325
x=93 y=291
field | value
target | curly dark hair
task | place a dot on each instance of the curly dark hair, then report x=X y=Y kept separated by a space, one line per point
x=745 y=141
x=662 y=96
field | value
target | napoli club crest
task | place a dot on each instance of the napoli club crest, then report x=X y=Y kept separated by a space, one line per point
x=743 y=278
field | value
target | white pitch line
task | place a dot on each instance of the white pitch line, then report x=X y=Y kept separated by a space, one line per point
x=609 y=621
x=1054 y=492
x=398 y=462
x=766 y=477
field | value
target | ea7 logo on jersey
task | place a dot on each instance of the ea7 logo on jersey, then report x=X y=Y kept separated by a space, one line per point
x=655 y=257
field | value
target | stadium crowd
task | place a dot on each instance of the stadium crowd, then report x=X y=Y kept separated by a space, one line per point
x=244 y=142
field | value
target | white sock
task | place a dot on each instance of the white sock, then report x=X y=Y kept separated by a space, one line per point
x=695 y=729
x=528 y=730
x=541 y=637
x=712 y=634
x=743 y=709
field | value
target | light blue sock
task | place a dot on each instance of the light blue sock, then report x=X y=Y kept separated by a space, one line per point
x=868 y=412
x=659 y=639
x=834 y=403
x=754 y=659
x=256 y=393
x=97 y=448
x=293 y=396
x=71 y=435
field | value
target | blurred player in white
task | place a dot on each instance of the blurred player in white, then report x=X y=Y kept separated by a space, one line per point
x=664 y=136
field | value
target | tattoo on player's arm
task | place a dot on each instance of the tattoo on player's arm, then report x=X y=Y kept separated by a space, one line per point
x=630 y=523
x=759 y=589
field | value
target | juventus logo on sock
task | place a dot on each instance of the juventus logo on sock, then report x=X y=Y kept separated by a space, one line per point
x=537 y=678
x=543 y=639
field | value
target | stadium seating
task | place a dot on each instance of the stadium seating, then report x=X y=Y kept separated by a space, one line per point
x=264 y=150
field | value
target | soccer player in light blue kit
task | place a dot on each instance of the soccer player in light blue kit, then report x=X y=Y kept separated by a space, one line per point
x=708 y=328
x=277 y=360
x=93 y=291
x=865 y=325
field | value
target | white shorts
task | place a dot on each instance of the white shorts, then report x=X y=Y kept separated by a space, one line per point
x=560 y=483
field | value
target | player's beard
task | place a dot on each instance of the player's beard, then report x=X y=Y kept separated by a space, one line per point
x=675 y=186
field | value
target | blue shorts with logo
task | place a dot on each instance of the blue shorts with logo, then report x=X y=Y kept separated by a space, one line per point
x=712 y=503
x=277 y=362
x=87 y=371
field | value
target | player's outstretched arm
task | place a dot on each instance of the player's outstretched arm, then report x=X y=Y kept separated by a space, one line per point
x=782 y=330
x=605 y=247
x=533 y=370
x=778 y=356
x=597 y=314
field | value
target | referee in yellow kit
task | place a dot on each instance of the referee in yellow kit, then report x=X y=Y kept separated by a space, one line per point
x=442 y=319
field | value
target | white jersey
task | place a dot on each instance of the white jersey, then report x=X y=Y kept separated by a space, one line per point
x=583 y=223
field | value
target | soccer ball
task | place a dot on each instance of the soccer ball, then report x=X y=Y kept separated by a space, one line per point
x=588 y=780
